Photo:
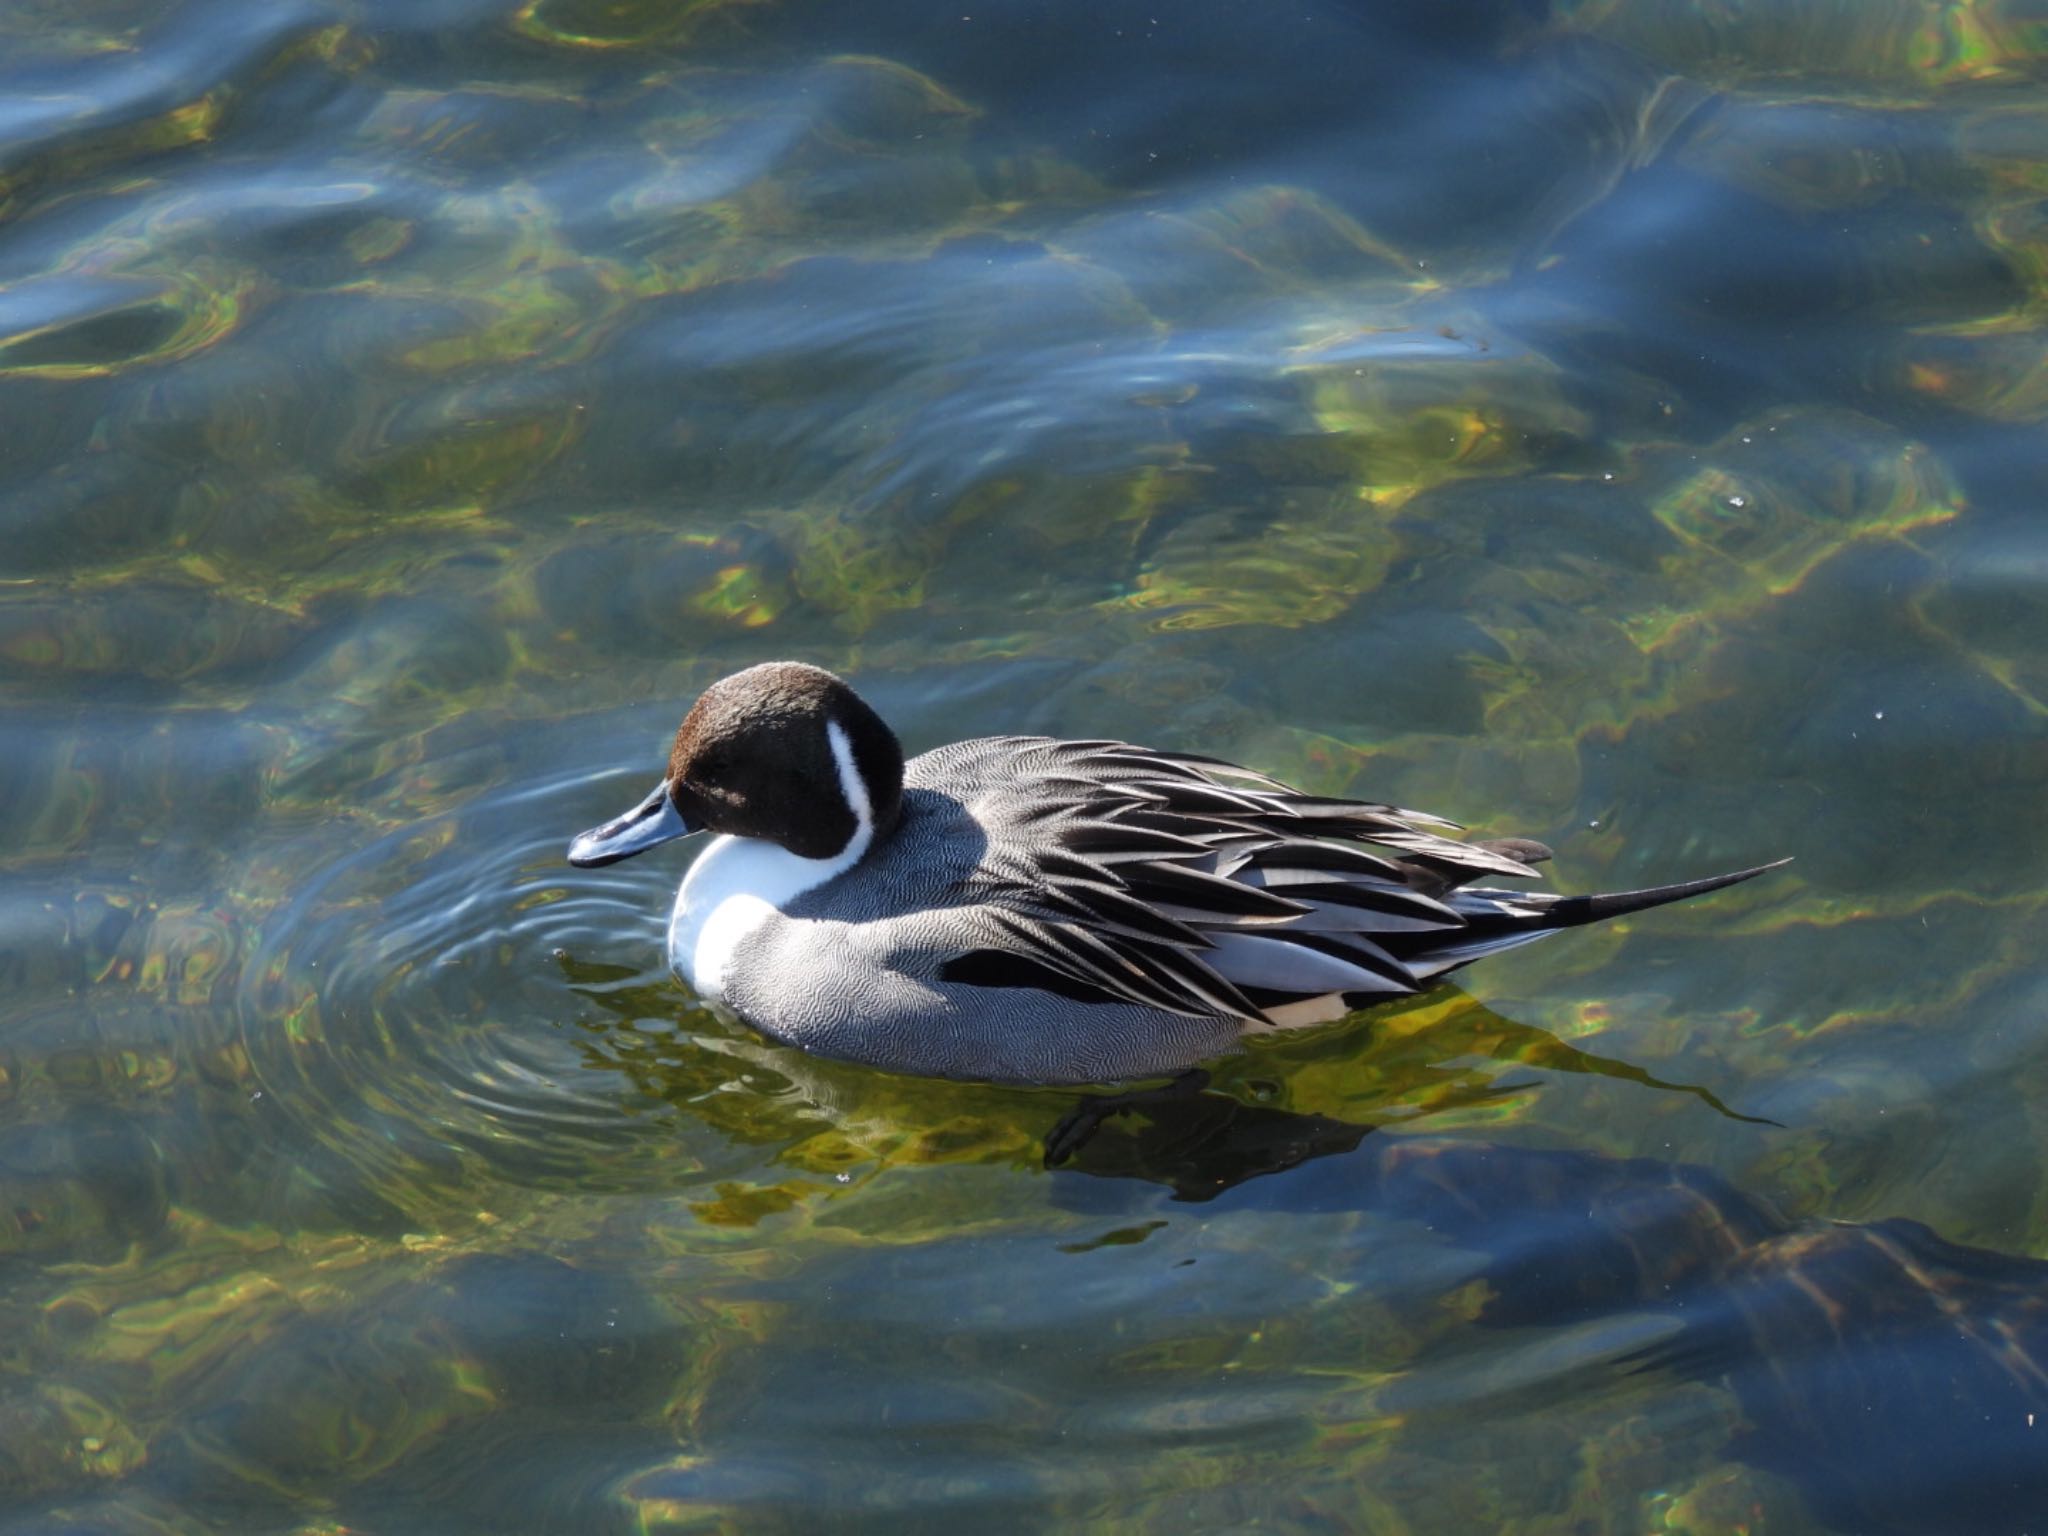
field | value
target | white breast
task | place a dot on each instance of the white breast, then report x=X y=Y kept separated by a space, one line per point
x=738 y=883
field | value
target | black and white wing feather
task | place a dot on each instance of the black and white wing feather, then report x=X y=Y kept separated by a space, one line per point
x=1197 y=887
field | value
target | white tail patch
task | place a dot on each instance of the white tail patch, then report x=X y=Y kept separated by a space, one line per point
x=1301 y=1013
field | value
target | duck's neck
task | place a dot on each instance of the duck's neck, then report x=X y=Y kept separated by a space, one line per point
x=739 y=882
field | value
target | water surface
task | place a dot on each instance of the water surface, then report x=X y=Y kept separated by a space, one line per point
x=1614 y=422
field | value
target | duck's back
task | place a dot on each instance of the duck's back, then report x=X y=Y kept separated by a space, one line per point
x=908 y=960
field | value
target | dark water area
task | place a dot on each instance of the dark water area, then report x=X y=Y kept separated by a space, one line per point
x=1615 y=422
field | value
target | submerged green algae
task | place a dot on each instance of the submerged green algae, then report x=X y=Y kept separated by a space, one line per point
x=416 y=423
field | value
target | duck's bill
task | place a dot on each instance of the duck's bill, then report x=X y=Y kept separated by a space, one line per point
x=654 y=820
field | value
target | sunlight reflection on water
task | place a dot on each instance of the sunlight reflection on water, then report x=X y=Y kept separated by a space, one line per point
x=1615 y=422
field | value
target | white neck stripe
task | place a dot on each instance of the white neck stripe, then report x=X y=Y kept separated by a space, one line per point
x=855 y=789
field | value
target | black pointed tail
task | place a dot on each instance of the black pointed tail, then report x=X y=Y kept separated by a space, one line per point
x=1571 y=911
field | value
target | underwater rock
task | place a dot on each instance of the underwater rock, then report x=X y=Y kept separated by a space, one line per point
x=79 y=1188
x=546 y=1332
x=1899 y=1380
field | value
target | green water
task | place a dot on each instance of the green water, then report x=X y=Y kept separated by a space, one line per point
x=1614 y=422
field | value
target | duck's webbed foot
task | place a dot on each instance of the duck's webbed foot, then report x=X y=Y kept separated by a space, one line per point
x=1082 y=1122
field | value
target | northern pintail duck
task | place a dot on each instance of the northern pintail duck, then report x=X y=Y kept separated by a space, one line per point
x=1024 y=909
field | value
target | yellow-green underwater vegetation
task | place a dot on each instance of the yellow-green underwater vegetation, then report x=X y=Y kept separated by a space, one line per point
x=1618 y=422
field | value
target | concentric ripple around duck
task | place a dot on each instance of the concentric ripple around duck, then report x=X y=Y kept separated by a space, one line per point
x=425 y=1010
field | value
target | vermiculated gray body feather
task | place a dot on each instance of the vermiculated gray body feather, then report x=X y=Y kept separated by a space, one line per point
x=1087 y=911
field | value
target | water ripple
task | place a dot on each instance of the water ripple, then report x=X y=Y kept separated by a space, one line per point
x=410 y=1008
